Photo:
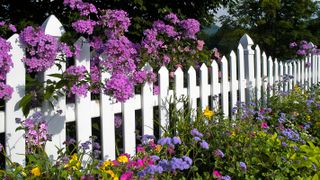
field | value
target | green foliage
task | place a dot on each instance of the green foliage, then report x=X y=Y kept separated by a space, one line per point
x=272 y=24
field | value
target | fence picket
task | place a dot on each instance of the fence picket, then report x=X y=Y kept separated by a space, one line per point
x=56 y=121
x=224 y=87
x=233 y=79
x=215 y=90
x=270 y=76
x=285 y=72
x=264 y=77
x=15 y=143
x=241 y=79
x=276 y=73
x=290 y=74
x=294 y=72
x=178 y=82
x=192 y=91
x=147 y=104
x=281 y=76
x=163 y=75
x=318 y=68
x=204 y=91
x=258 y=72
x=129 y=126
x=298 y=72
x=82 y=110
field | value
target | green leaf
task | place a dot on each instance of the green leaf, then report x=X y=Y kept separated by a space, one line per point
x=57 y=75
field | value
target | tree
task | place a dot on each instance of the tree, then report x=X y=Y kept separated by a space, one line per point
x=143 y=12
x=272 y=24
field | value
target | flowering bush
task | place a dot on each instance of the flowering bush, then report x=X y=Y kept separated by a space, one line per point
x=304 y=48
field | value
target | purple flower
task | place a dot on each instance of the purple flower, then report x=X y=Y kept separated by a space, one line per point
x=117 y=121
x=12 y=28
x=219 y=153
x=126 y=176
x=293 y=45
x=179 y=163
x=156 y=90
x=86 y=145
x=154 y=169
x=226 y=177
x=197 y=138
x=84 y=26
x=243 y=166
x=172 y=18
x=165 y=140
x=5 y=91
x=5 y=59
x=191 y=27
x=69 y=141
x=282 y=118
x=120 y=87
x=195 y=132
x=204 y=144
x=176 y=140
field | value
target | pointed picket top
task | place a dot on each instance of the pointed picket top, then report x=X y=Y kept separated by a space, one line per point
x=203 y=67
x=224 y=60
x=257 y=48
x=246 y=41
x=147 y=67
x=163 y=70
x=53 y=27
x=191 y=71
x=178 y=72
x=232 y=54
x=80 y=41
x=240 y=48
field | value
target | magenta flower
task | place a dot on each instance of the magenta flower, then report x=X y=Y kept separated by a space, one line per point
x=264 y=125
x=127 y=176
x=217 y=174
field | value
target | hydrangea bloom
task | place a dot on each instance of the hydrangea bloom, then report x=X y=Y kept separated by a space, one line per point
x=41 y=49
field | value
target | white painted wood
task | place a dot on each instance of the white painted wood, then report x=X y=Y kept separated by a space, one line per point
x=315 y=70
x=53 y=26
x=129 y=127
x=147 y=105
x=2 y=120
x=264 y=77
x=318 y=68
x=241 y=77
x=270 y=76
x=290 y=73
x=302 y=71
x=298 y=71
x=233 y=79
x=15 y=143
x=56 y=122
x=178 y=83
x=108 y=142
x=281 y=85
x=246 y=43
x=215 y=86
x=163 y=76
x=192 y=92
x=204 y=91
x=294 y=73
x=285 y=72
x=306 y=73
x=276 y=73
x=258 y=72
x=310 y=70
x=82 y=110
x=224 y=87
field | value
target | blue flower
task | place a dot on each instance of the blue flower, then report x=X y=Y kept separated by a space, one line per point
x=195 y=132
x=196 y=138
x=176 y=140
x=164 y=140
x=204 y=144
x=243 y=166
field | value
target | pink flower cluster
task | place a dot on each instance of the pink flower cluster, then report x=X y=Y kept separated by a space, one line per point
x=36 y=131
x=5 y=91
x=41 y=49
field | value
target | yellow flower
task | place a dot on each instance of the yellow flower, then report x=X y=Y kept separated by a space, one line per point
x=111 y=173
x=158 y=148
x=297 y=89
x=36 y=171
x=122 y=159
x=308 y=118
x=74 y=163
x=233 y=133
x=106 y=164
x=207 y=113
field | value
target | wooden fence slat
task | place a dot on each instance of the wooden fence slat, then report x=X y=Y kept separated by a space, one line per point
x=56 y=121
x=281 y=76
x=285 y=72
x=129 y=126
x=241 y=77
x=15 y=143
x=178 y=89
x=290 y=73
x=192 y=91
x=270 y=76
x=83 y=118
x=204 y=91
x=233 y=79
x=163 y=76
x=224 y=87
x=318 y=68
x=147 y=104
x=215 y=86
x=264 y=77
x=258 y=72
x=298 y=72
x=108 y=142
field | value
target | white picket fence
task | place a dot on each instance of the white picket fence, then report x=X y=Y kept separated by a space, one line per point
x=245 y=71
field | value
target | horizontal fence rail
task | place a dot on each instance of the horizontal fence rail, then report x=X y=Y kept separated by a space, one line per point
x=246 y=75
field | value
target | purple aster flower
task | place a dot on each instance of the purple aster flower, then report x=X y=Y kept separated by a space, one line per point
x=165 y=164
x=195 y=132
x=197 y=138
x=219 y=153
x=86 y=145
x=154 y=169
x=176 y=140
x=204 y=144
x=243 y=166
x=165 y=140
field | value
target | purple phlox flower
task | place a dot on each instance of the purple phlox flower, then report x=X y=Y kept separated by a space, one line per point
x=243 y=166
x=195 y=132
x=172 y=18
x=96 y=146
x=117 y=121
x=204 y=144
x=69 y=141
x=219 y=153
x=293 y=45
x=12 y=28
x=283 y=143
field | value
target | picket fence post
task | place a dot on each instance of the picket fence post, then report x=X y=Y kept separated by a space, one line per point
x=15 y=143
x=56 y=121
x=192 y=93
x=215 y=84
x=258 y=72
x=204 y=91
x=147 y=104
x=233 y=79
x=241 y=79
x=163 y=79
